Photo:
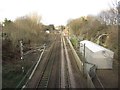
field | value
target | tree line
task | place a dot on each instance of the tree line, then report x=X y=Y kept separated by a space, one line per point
x=91 y=27
x=27 y=28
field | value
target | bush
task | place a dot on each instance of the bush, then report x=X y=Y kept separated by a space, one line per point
x=74 y=42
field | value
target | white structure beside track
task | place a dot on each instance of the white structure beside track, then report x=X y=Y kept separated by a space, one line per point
x=96 y=54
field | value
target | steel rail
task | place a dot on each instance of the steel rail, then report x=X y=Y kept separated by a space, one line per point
x=45 y=77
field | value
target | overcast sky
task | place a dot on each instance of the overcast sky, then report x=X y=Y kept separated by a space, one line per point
x=52 y=11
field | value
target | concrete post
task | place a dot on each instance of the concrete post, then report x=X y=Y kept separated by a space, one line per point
x=21 y=51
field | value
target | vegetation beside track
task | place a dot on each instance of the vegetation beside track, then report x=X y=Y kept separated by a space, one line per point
x=32 y=32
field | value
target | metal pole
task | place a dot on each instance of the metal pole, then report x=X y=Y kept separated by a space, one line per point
x=84 y=61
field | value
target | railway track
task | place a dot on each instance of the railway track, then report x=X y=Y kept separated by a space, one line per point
x=51 y=75
x=57 y=69
x=75 y=78
x=68 y=76
x=48 y=67
x=55 y=79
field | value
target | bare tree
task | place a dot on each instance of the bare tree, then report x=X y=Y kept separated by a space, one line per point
x=118 y=16
x=110 y=17
x=115 y=10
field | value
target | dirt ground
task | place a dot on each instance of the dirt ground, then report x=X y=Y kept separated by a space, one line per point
x=109 y=78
